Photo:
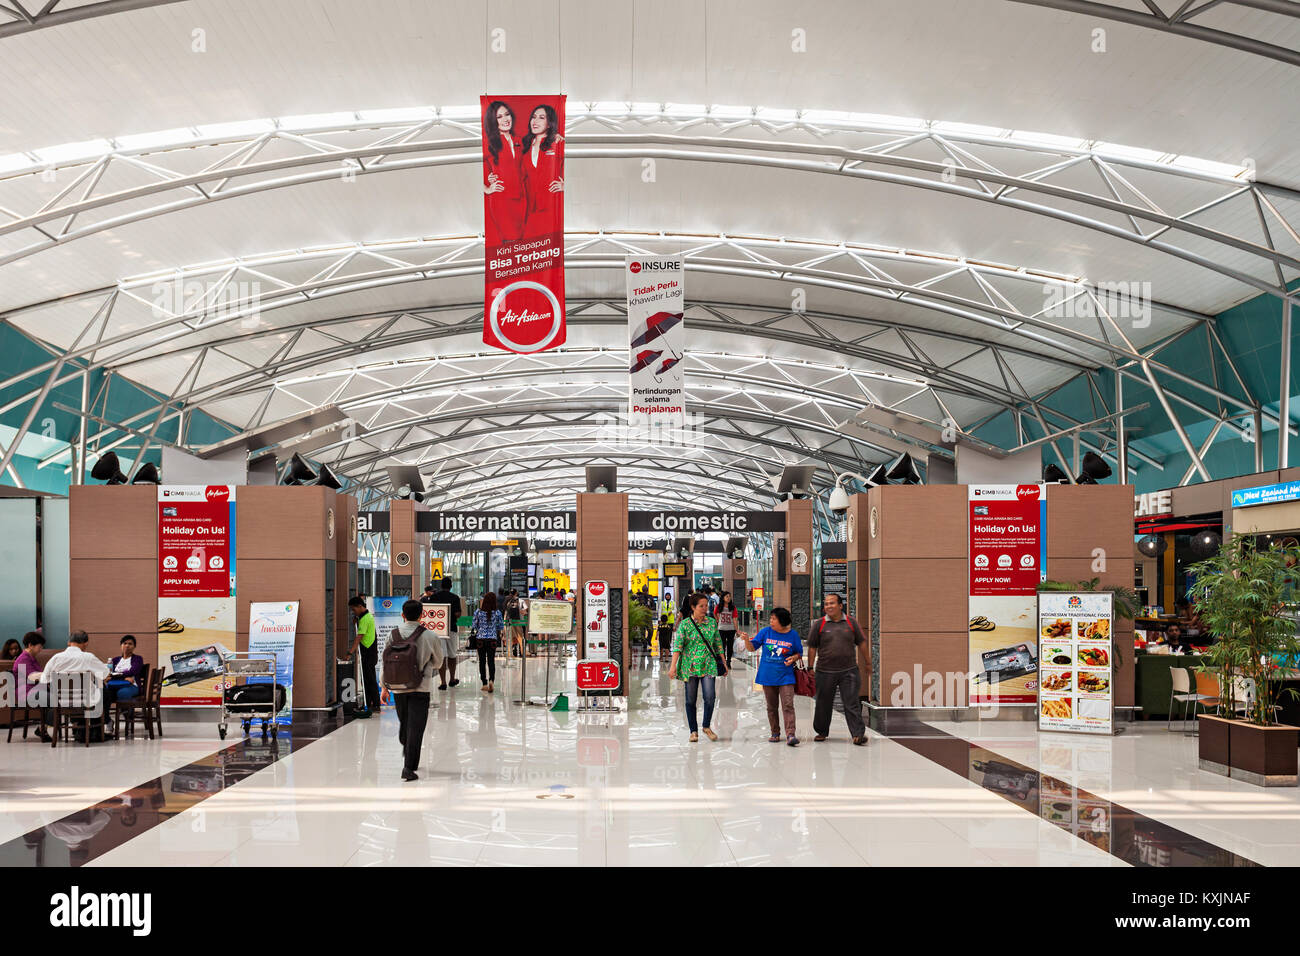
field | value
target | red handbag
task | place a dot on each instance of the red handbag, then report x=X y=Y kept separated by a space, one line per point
x=805 y=685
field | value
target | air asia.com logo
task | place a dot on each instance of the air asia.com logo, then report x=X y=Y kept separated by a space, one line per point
x=525 y=308
x=75 y=909
x=596 y=588
x=1027 y=491
x=217 y=493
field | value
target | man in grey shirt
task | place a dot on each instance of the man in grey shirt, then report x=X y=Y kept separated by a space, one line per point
x=834 y=647
x=413 y=705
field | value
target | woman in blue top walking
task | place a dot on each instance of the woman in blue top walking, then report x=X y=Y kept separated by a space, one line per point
x=779 y=650
x=487 y=630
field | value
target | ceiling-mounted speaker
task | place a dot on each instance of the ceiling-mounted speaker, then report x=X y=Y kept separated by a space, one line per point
x=1053 y=474
x=879 y=477
x=903 y=471
x=108 y=469
x=327 y=478
x=146 y=474
x=1094 y=470
x=298 y=472
x=1153 y=545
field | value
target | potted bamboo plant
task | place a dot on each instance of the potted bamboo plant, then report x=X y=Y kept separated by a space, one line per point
x=1242 y=594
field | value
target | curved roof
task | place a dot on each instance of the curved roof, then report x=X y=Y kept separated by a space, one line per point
x=942 y=209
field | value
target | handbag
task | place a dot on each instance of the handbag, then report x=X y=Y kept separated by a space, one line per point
x=718 y=661
x=805 y=685
x=472 y=643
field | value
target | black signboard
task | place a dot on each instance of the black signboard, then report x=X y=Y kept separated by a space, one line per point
x=504 y=523
x=693 y=522
x=497 y=522
x=371 y=521
x=835 y=568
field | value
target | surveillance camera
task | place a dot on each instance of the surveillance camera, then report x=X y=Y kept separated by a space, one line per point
x=839 y=501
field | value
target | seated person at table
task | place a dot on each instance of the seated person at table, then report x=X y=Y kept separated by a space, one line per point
x=75 y=660
x=26 y=670
x=1177 y=641
x=125 y=673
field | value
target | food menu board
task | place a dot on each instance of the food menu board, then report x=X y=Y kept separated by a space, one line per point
x=1076 y=672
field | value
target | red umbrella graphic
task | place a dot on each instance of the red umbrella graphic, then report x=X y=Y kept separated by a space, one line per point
x=645 y=359
x=656 y=326
x=668 y=363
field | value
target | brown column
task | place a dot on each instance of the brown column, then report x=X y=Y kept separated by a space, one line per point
x=345 y=569
x=794 y=591
x=602 y=555
x=735 y=577
x=857 y=555
x=287 y=551
x=403 y=555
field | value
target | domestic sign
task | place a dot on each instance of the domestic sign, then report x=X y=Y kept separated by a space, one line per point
x=656 y=304
x=1007 y=554
x=597 y=675
x=595 y=621
x=1076 y=669
x=693 y=521
x=1266 y=494
x=523 y=222
x=496 y=522
x=1154 y=503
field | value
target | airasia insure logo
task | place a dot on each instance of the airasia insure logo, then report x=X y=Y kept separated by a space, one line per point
x=217 y=493
x=670 y=265
x=634 y=268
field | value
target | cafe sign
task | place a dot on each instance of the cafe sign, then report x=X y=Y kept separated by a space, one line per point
x=1153 y=503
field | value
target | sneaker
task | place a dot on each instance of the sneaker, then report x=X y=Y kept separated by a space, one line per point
x=792 y=741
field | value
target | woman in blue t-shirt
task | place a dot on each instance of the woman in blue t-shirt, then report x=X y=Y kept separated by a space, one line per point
x=779 y=650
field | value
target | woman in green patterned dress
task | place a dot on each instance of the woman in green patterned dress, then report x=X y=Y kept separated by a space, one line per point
x=696 y=647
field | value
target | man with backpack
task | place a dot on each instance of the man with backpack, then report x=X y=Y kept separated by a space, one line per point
x=834 y=647
x=410 y=659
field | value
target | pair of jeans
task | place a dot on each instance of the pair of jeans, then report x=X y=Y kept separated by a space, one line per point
x=487 y=660
x=693 y=685
x=412 y=717
x=848 y=683
x=728 y=639
x=781 y=696
x=369 y=666
x=115 y=690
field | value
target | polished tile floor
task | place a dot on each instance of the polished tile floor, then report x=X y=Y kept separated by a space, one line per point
x=508 y=784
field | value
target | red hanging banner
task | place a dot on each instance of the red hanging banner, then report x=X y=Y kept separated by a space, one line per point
x=523 y=222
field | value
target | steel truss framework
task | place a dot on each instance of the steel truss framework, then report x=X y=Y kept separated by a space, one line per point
x=195 y=331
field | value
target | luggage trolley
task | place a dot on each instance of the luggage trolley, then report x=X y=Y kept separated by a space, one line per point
x=247 y=664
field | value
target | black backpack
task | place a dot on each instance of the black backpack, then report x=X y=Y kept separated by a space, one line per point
x=402 y=670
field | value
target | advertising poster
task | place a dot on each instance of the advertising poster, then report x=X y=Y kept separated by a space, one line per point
x=272 y=627
x=387 y=612
x=1077 y=674
x=835 y=569
x=523 y=222
x=436 y=618
x=196 y=541
x=194 y=634
x=595 y=616
x=1007 y=554
x=656 y=302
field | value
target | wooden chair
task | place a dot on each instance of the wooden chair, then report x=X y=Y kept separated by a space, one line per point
x=148 y=706
x=69 y=706
x=119 y=705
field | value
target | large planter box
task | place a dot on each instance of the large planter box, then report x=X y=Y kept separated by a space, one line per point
x=1264 y=756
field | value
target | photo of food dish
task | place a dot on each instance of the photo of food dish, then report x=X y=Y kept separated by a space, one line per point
x=1094 y=657
x=1090 y=682
x=1056 y=682
x=1056 y=654
x=1093 y=630
x=1056 y=629
x=1057 y=708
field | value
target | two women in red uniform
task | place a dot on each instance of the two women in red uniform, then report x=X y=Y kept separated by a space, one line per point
x=523 y=181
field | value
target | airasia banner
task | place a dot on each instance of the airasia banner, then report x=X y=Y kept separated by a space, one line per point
x=595 y=620
x=1007 y=557
x=523 y=222
x=656 y=302
x=196 y=541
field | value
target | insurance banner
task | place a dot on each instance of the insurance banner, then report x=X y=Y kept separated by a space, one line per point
x=523 y=222
x=272 y=629
x=656 y=302
x=1007 y=556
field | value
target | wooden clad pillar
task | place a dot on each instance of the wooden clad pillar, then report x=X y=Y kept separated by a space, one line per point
x=918 y=581
x=602 y=556
x=794 y=590
x=287 y=551
x=1090 y=535
x=403 y=554
x=345 y=570
x=113 y=578
x=857 y=540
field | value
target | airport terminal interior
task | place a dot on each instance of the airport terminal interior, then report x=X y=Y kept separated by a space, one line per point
x=604 y=433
